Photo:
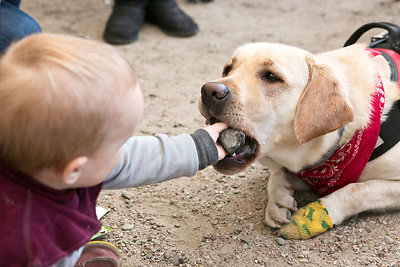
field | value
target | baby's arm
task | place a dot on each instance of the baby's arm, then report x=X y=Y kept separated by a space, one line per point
x=206 y=146
x=153 y=159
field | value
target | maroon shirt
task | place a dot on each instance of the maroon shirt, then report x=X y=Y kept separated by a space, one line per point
x=40 y=225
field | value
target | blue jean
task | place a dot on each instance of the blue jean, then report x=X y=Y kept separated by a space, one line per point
x=14 y=23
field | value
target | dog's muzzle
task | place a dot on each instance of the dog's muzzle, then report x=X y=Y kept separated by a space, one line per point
x=215 y=98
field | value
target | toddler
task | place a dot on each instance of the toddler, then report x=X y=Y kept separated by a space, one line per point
x=68 y=109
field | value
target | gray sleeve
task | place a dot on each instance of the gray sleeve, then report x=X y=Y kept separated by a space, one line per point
x=153 y=159
x=206 y=149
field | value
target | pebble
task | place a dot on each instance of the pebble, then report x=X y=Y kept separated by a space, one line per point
x=127 y=227
x=303 y=260
x=167 y=255
x=388 y=240
x=281 y=241
x=237 y=231
x=175 y=260
x=245 y=244
x=232 y=140
x=127 y=195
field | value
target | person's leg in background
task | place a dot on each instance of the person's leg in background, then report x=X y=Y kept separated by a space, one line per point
x=167 y=15
x=14 y=23
x=127 y=17
x=124 y=23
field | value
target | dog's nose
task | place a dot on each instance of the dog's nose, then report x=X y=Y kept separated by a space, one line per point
x=214 y=90
x=215 y=96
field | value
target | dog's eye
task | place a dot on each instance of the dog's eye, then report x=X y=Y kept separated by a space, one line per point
x=270 y=77
x=226 y=70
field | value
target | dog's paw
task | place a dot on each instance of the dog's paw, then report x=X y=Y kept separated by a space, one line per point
x=278 y=213
x=307 y=222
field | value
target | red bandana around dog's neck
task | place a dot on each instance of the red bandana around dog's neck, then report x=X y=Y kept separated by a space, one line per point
x=346 y=164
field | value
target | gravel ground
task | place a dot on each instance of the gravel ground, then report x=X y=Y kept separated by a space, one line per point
x=215 y=220
x=212 y=219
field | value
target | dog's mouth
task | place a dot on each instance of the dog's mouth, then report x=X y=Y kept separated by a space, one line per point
x=241 y=148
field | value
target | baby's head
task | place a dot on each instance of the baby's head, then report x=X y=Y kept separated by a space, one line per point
x=66 y=107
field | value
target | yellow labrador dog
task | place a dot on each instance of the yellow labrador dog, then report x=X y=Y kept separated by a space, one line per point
x=314 y=121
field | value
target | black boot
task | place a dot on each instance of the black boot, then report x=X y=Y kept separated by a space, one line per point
x=170 y=18
x=206 y=1
x=125 y=21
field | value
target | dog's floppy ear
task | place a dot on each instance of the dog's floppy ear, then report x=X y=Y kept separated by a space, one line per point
x=322 y=107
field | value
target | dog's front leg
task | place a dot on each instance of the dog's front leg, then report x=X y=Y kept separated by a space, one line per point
x=281 y=186
x=319 y=216
x=372 y=195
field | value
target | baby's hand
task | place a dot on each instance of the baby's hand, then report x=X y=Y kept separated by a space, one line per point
x=214 y=131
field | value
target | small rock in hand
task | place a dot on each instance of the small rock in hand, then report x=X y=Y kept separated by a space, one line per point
x=231 y=140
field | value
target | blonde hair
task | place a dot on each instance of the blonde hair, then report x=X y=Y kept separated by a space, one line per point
x=58 y=99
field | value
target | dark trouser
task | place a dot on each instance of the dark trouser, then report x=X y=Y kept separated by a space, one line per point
x=14 y=23
x=137 y=2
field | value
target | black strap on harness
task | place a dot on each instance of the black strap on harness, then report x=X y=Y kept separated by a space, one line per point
x=391 y=40
x=390 y=128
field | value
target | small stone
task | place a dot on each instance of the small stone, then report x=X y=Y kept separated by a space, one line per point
x=231 y=140
x=127 y=227
x=175 y=260
x=167 y=255
x=237 y=231
x=280 y=241
x=127 y=195
x=245 y=244
x=388 y=240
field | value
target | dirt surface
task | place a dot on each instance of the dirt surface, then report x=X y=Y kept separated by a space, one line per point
x=212 y=219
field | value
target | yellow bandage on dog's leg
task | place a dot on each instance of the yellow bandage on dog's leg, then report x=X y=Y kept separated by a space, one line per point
x=307 y=222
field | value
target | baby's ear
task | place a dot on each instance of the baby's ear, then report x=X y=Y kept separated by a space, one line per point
x=72 y=172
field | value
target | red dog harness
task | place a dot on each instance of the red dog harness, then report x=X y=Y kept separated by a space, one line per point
x=346 y=164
